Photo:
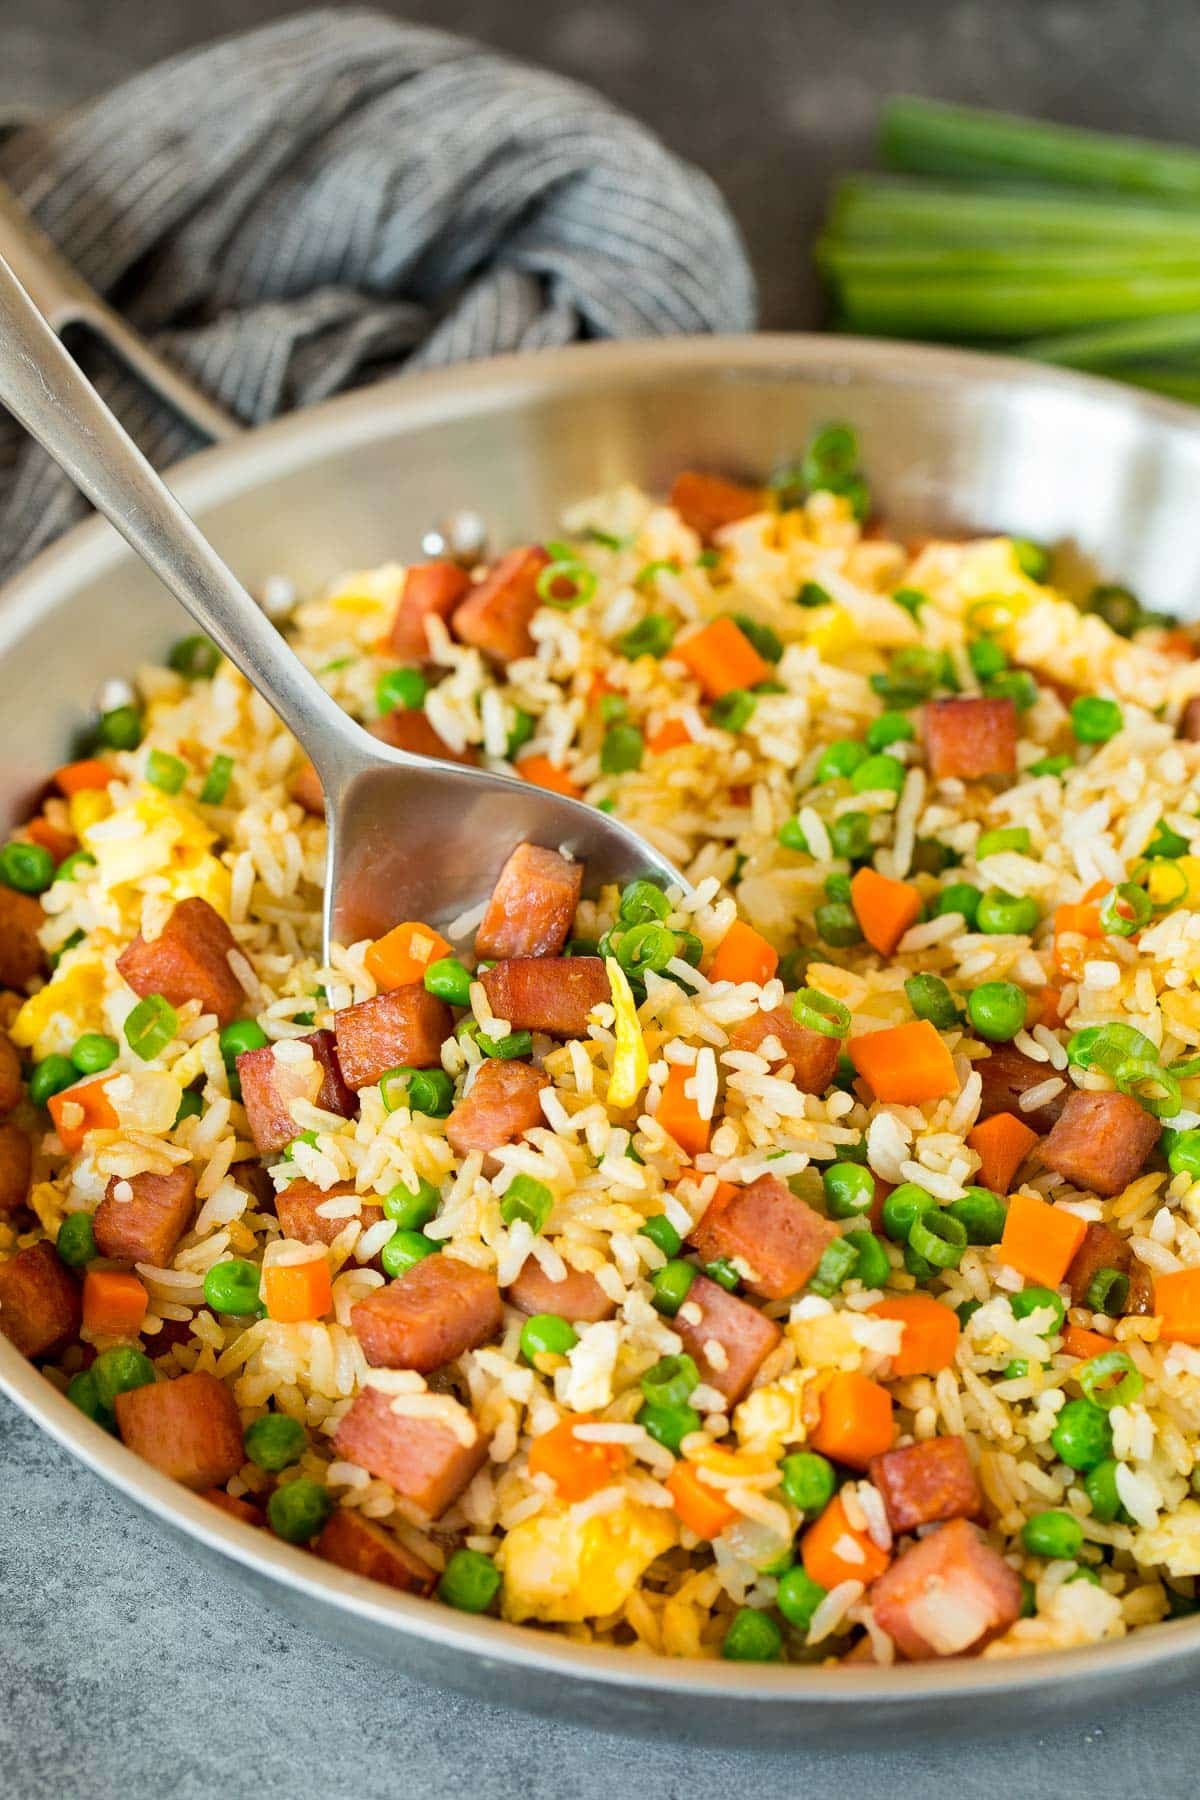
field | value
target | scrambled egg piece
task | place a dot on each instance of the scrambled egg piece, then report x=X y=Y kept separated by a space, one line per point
x=71 y=1003
x=1174 y=1541
x=564 y=1570
x=158 y=834
x=772 y=1417
x=826 y=1342
x=631 y=1064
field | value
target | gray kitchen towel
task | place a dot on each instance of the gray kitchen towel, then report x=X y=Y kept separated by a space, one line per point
x=337 y=197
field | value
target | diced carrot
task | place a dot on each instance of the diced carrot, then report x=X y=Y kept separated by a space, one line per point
x=930 y=1336
x=856 y=1420
x=1178 y=643
x=74 y=777
x=722 y=658
x=700 y=1507
x=545 y=774
x=1177 y=1303
x=402 y=955
x=885 y=908
x=679 y=1115
x=669 y=736
x=905 y=1065
x=58 y=843
x=707 y=502
x=80 y=1109
x=743 y=955
x=295 y=1292
x=114 y=1303
x=1001 y=1143
x=1049 y=1003
x=722 y=1195
x=823 y=1549
x=1040 y=1239
x=577 y=1469
x=598 y=687
x=1081 y=919
x=1077 y=1341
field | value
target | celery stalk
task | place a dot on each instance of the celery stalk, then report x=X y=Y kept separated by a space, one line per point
x=1107 y=346
x=872 y=208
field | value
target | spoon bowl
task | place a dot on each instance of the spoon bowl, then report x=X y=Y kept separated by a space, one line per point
x=408 y=837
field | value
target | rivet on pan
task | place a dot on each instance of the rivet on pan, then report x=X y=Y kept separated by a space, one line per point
x=461 y=536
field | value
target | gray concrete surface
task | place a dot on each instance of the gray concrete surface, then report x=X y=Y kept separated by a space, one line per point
x=128 y=1671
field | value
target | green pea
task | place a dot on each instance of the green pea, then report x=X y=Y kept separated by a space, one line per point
x=449 y=980
x=1083 y=1436
x=792 y=836
x=837 y=924
x=82 y=1392
x=166 y=773
x=76 y=1241
x=849 y=1190
x=546 y=1334
x=94 y=1052
x=299 y=1510
x=987 y=657
x=529 y=1200
x=808 y=1481
x=1040 y=1299
x=51 y=1076
x=966 y=1312
x=1051 y=765
x=194 y=657
x=119 y=1371
x=872 y=1267
x=1017 y=685
x=767 y=642
x=902 y=1208
x=68 y=869
x=412 y=1208
x=812 y=594
x=120 y=729
x=660 y=1231
x=1100 y=1486
x=671 y=1284
x=890 y=728
x=878 y=774
x=840 y=759
x=932 y=1000
x=622 y=750
x=669 y=1424
x=997 y=1010
x=1032 y=559
x=850 y=835
x=27 y=867
x=400 y=690
x=1120 y=609
x=232 y=1287
x=982 y=1213
x=237 y=1038
x=959 y=897
x=469 y=1582
x=752 y=1636
x=191 y=1105
x=1054 y=1534
x=1095 y=720
x=1007 y=914
x=275 y=1442
x=798 y=1597
x=403 y=1250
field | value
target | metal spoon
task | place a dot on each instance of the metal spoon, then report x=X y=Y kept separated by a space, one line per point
x=409 y=837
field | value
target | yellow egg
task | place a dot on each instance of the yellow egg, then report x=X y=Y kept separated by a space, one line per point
x=826 y=1342
x=71 y=1003
x=1174 y=1542
x=158 y=834
x=631 y=1064
x=833 y=631
x=563 y=1570
x=87 y=808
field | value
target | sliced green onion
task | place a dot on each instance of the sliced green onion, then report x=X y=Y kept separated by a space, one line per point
x=622 y=750
x=765 y=640
x=651 y=636
x=1139 y=1078
x=1105 y=1046
x=1125 y=909
x=939 y=1237
x=820 y=1012
x=642 y=902
x=1107 y=1292
x=167 y=773
x=216 y=782
x=578 y=577
x=649 y=572
x=837 y=1264
x=1096 y=1378
x=195 y=657
x=642 y=947
x=151 y=1026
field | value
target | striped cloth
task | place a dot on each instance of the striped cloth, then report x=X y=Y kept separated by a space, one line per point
x=336 y=197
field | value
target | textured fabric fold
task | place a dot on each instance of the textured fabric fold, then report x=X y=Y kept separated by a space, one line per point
x=339 y=197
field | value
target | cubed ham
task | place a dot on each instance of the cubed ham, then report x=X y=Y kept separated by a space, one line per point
x=305 y=789
x=142 y=1217
x=1101 y=1141
x=948 y=1594
x=926 y=1483
x=10 y=1074
x=579 y=1298
x=237 y=1509
x=764 y=1228
x=16 y=1165
x=436 y=1310
x=269 y=1087
x=707 y=502
x=408 y=728
x=431 y=590
x=403 y=1029
x=1102 y=1248
x=729 y=1341
x=188 y=960
x=21 y=953
x=501 y=1105
x=812 y=1055
x=533 y=905
x=188 y=1428
x=1007 y=1074
x=40 y=1306
x=554 y=994
x=297 y=1207
x=1189 y=721
x=970 y=740
x=496 y=615
x=426 y=1462
x=364 y=1548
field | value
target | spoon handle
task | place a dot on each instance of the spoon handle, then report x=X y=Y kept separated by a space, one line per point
x=45 y=391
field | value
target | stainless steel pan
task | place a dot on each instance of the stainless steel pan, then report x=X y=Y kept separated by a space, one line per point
x=951 y=442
